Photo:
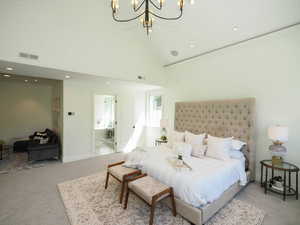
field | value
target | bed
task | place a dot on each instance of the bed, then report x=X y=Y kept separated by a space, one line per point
x=225 y=118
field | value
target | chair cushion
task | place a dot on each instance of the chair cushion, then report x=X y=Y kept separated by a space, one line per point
x=119 y=171
x=147 y=187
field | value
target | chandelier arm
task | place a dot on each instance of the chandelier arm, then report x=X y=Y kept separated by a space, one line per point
x=138 y=8
x=167 y=18
x=127 y=20
x=158 y=7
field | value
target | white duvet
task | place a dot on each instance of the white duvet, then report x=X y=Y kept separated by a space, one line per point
x=206 y=182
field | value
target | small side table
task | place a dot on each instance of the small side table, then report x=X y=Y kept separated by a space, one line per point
x=285 y=167
x=159 y=141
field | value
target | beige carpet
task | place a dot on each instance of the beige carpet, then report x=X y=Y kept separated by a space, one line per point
x=88 y=203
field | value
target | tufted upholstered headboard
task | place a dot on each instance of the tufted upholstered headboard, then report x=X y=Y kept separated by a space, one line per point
x=221 y=118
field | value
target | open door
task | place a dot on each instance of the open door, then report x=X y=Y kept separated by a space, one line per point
x=104 y=124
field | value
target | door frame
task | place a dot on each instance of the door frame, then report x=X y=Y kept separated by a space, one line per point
x=116 y=121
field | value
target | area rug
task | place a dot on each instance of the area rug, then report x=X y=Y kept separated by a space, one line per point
x=88 y=203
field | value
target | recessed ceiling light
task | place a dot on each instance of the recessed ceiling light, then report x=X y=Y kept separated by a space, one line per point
x=6 y=75
x=107 y=82
x=174 y=53
x=67 y=76
x=26 y=80
x=35 y=80
x=9 y=68
x=235 y=28
x=192 y=45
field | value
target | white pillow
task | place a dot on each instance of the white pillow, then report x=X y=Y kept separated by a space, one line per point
x=236 y=154
x=175 y=136
x=237 y=145
x=184 y=149
x=219 y=147
x=194 y=139
x=198 y=149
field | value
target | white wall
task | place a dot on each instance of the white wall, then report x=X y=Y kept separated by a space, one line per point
x=78 y=36
x=78 y=98
x=24 y=109
x=267 y=69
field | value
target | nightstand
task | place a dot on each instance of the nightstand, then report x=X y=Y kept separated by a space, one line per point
x=286 y=168
x=159 y=141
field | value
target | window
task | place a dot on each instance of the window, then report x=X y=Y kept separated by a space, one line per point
x=154 y=110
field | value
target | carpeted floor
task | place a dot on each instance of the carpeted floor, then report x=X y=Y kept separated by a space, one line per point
x=19 y=161
x=30 y=197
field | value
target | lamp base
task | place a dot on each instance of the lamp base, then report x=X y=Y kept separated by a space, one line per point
x=277 y=160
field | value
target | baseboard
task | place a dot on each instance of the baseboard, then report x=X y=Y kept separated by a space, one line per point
x=67 y=159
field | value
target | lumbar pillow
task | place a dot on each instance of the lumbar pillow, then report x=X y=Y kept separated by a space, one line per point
x=183 y=149
x=219 y=147
x=198 y=149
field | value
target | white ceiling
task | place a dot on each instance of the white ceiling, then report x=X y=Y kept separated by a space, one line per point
x=208 y=24
x=24 y=72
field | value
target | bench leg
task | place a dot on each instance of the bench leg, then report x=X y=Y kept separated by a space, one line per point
x=107 y=178
x=152 y=212
x=173 y=202
x=122 y=191
x=126 y=199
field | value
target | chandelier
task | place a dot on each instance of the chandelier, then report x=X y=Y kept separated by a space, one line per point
x=146 y=14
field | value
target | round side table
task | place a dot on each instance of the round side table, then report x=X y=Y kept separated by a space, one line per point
x=286 y=168
x=160 y=141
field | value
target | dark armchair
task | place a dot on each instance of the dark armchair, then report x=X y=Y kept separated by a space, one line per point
x=37 y=151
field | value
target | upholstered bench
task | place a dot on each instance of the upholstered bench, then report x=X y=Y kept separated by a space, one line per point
x=121 y=174
x=151 y=191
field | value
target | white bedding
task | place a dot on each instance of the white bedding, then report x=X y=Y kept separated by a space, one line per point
x=206 y=182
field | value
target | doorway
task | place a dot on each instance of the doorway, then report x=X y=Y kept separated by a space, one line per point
x=104 y=124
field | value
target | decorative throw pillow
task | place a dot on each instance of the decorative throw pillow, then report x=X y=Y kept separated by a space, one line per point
x=44 y=140
x=237 y=144
x=198 y=149
x=219 y=147
x=184 y=149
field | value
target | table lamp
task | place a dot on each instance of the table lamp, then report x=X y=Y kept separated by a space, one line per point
x=164 y=123
x=279 y=135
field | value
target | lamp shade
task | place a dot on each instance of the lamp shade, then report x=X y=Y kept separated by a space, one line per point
x=278 y=133
x=164 y=123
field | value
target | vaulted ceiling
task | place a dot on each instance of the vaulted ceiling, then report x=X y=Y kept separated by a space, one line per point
x=81 y=36
x=211 y=24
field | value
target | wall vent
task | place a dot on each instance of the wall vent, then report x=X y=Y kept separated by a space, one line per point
x=28 y=56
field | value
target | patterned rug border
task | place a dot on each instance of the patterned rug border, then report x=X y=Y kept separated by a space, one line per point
x=88 y=216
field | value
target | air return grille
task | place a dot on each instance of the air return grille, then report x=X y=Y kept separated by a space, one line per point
x=28 y=56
